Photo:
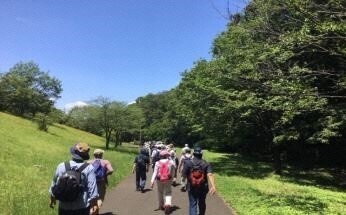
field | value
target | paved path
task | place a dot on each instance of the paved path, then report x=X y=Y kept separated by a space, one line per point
x=124 y=200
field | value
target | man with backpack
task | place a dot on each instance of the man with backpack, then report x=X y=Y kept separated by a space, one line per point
x=74 y=184
x=198 y=171
x=163 y=175
x=102 y=169
x=141 y=167
x=155 y=156
x=186 y=155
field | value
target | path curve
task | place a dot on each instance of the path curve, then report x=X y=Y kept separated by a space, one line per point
x=124 y=200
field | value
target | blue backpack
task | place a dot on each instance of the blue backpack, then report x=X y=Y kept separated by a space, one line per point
x=99 y=170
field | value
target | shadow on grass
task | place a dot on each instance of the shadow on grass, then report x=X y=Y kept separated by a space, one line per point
x=238 y=165
x=235 y=164
x=299 y=202
x=327 y=178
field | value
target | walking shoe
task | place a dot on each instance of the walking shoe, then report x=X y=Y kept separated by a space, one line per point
x=167 y=209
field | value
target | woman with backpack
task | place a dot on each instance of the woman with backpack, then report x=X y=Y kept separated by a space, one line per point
x=163 y=173
x=102 y=169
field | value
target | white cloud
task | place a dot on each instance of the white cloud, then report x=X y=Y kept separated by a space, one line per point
x=130 y=103
x=69 y=106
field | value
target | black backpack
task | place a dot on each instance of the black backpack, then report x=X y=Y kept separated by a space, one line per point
x=69 y=185
x=141 y=164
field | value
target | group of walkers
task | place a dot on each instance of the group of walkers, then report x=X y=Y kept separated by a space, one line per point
x=194 y=172
x=80 y=185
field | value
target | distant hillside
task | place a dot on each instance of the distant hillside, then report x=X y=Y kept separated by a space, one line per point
x=28 y=158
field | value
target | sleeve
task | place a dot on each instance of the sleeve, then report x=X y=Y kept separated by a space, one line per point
x=156 y=169
x=92 y=186
x=55 y=178
x=59 y=170
x=208 y=168
x=136 y=159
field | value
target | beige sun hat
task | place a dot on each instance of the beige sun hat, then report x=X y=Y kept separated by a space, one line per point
x=98 y=151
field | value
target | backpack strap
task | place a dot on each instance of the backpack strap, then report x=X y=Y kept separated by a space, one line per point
x=67 y=166
x=81 y=168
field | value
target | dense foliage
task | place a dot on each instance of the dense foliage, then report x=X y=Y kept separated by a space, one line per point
x=26 y=90
x=275 y=85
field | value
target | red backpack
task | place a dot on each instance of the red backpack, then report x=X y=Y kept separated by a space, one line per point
x=197 y=175
x=164 y=171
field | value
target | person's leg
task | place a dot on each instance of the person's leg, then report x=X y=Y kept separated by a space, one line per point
x=84 y=211
x=168 y=196
x=201 y=203
x=160 y=193
x=137 y=179
x=192 y=203
x=143 y=180
x=168 y=193
x=183 y=184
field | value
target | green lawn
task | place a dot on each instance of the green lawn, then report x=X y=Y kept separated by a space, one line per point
x=28 y=159
x=252 y=188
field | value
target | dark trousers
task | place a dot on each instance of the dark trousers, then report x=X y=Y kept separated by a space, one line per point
x=141 y=177
x=83 y=211
x=197 y=199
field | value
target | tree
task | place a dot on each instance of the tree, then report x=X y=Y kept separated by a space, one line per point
x=28 y=90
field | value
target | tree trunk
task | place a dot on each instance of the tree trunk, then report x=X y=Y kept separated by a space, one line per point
x=277 y=160
x=108 y=139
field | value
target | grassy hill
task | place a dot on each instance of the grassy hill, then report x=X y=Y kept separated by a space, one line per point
x=28 y=159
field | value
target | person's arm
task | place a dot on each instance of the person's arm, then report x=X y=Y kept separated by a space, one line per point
x=211 y=178
x=134 y=168
x=153 y=177
x=92 y=190
x=148 y=164
x=109 y=168
x=52 y=197
x=93 y=207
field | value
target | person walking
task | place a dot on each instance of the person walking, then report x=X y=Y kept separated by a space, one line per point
x=76 y=197
x=186 y=155
x=102 y=168
x=174 y=158
x=141 y=167
x=163 y=174
x=198 y=171
x=155 y=156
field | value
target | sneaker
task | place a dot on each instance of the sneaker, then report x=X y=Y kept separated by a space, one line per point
x=167 y=209
x=183 y=189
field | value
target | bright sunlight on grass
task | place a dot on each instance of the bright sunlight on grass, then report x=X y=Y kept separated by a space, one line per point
x=28 y=158
x=251 y=188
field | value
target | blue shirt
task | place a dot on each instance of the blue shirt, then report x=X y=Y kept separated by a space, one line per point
x=88 y=179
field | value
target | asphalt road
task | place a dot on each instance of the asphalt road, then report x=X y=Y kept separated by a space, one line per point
x=124 y=200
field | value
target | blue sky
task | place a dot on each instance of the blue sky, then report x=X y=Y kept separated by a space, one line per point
x=121 y=49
